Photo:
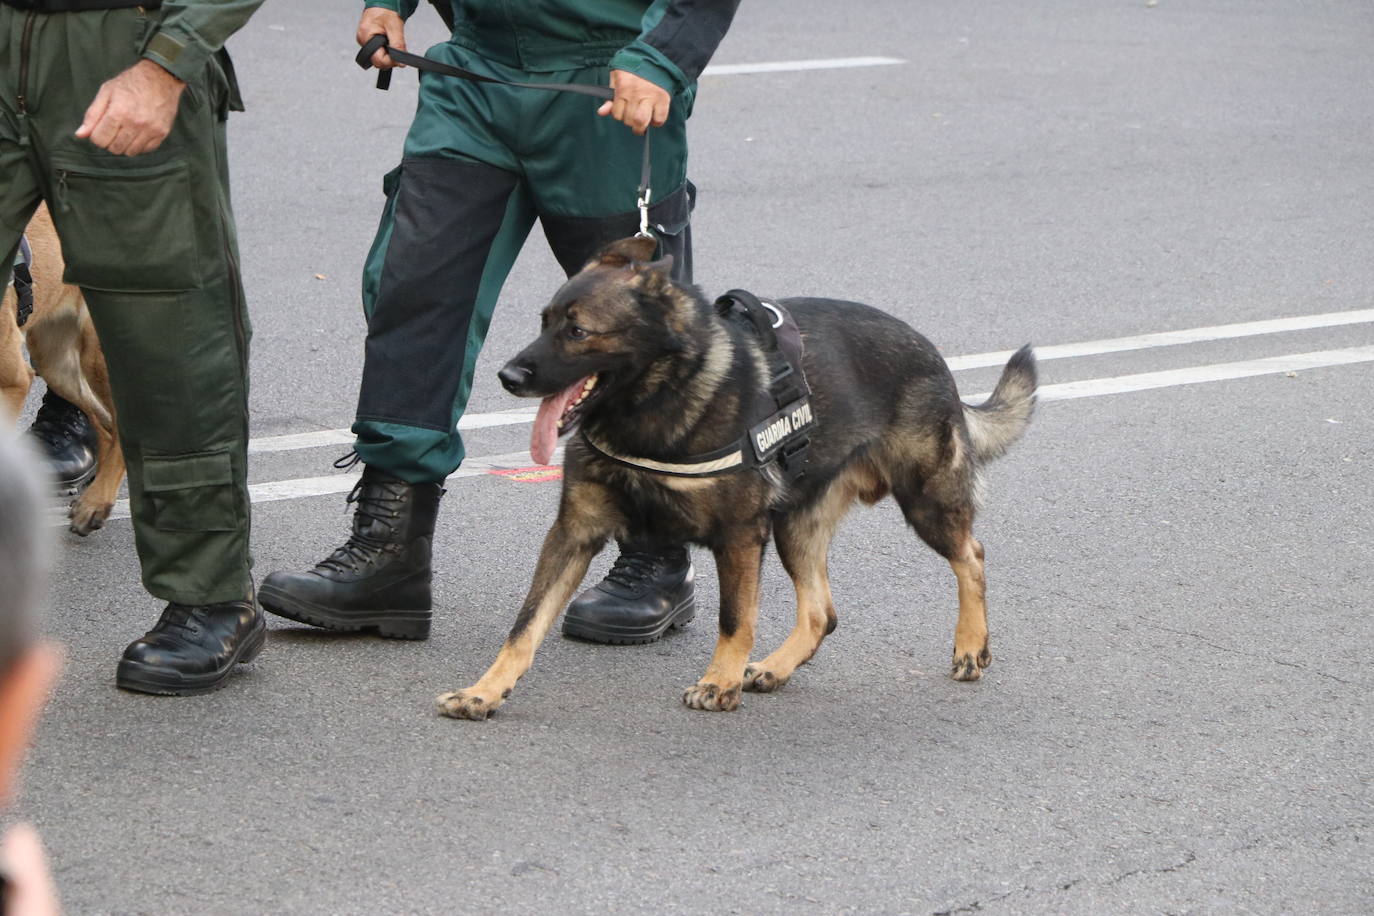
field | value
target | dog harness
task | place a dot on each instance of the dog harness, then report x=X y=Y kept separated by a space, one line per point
x=780 y=437
x=21 y=278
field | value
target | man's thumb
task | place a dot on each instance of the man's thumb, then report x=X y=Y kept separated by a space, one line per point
x=94 y=114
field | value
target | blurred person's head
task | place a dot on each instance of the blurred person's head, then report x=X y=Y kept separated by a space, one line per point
x=27 y=667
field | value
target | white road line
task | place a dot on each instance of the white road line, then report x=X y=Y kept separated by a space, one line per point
x=332 y=484
x=956 y=363
x=344 y=437
x=1087 y=388
x=300 y=440
x=1170 y=338
x=1218 y=372
x=792 y=66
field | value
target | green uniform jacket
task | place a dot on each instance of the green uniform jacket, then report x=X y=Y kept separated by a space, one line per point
x=192 y=31
x=667 y=42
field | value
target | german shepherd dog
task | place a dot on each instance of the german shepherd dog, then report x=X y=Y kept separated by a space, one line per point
x=66 y=352
x=646 y=367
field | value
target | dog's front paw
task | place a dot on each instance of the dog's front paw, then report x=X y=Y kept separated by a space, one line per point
x=761 y=680
x=85 y=518
x=705 y=695
x=968 y=667
x=467 y=704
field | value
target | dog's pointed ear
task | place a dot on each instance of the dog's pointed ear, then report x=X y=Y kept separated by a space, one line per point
x=654 y=276
x=627 y=252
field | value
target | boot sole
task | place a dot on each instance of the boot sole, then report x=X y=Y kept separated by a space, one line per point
x=70 y=489
x=142 y=678
x=392 y=624
x=681 y=615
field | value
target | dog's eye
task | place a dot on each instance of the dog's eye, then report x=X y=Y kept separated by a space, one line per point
x=577 y=333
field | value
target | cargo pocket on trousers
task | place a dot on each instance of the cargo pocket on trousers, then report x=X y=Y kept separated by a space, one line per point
x=128 y=229
x=192 y=492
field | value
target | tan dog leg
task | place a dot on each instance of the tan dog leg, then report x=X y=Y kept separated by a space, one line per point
x=562 y=564
x=971 y=653
x=803 y=541
x=93 y=506
x=738 y=567
x=15 y=374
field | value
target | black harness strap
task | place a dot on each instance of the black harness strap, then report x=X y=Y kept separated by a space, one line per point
x=785 y=434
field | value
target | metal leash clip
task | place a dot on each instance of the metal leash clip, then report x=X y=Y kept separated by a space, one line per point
x=643 y=204
x=644 y=193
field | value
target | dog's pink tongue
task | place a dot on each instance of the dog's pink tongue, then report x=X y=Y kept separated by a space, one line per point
x=544 y=436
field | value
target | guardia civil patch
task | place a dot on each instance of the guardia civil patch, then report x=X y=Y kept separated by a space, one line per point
x=780 y=428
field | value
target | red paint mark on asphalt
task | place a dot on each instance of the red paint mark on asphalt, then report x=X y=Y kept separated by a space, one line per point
x=536 y=474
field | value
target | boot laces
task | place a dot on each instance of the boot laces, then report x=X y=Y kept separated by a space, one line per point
x=372 y=504
x=58 y=423
x=179 y=617
x=348 y=460
x=634 y=568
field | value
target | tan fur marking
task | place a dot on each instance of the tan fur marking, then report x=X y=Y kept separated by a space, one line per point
x=562 y=564
x=66 y=353
x=803 y=540
x=971 y=632
x=705 y=385
x=719 y=688
x=15 y=375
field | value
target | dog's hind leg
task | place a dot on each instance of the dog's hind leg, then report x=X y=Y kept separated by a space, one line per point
x=971 y=650
x=568 y=549
x=947 y=526
x=15 y=374
x=93 y=506
x=738 y=563
x=803 y=540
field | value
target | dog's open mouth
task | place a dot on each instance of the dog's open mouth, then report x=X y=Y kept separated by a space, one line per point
x=559 y=414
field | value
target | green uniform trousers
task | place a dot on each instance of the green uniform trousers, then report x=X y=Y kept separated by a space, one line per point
x=482 y=162
x=150 y=240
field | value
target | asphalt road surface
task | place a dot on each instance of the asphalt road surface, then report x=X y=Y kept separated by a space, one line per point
x=1172 y=202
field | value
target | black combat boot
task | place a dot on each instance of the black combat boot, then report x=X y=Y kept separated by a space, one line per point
x=193 y=649
x=379 y=579
x=645 y=593
x=68 y=440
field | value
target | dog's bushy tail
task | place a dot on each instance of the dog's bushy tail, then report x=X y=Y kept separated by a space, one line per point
x=1000 y=420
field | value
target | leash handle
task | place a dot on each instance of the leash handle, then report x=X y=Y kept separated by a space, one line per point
x=377 y=42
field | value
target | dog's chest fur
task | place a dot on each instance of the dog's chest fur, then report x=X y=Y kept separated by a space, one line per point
x=700 y=410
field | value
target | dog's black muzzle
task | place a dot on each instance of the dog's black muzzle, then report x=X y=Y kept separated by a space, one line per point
x=515 y=377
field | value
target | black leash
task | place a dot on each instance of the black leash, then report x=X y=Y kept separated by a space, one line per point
x=377 y=42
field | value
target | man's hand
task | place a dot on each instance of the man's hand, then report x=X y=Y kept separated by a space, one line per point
x=377 y=21
x=134 y=111
x=31 y=889
x=638 y=103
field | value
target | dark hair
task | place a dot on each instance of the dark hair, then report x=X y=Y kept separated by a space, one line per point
x=23 y=548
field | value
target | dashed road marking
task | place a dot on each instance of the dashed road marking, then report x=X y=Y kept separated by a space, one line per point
x=793 y=66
